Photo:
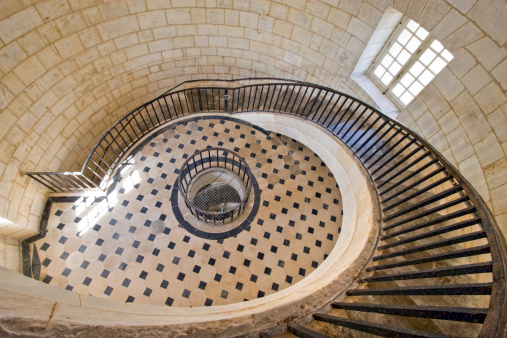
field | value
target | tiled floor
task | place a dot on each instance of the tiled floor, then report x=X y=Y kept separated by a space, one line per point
x=129 y=247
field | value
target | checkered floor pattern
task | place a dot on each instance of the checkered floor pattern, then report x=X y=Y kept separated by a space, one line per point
x=130 y=248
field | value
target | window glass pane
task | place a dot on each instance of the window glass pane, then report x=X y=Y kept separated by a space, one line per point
x=422 y=33
x=413 y=44
x=438 y=65
x=437 y=46
x=427 y=57
x=416 y=69
x=412 y=25
x=404 y=36
x=386 y=61
x=407 y=79
x=379 y=71
x=426 y=77
x=403 y=57
x=448 y=56
x=395 y=49
x=398 y=90
x=386 y=78
x=406 y=98
x=415 y=88
x=395 y=68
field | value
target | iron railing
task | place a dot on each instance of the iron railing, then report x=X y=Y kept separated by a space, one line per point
x=428 y=207
x=204 y=160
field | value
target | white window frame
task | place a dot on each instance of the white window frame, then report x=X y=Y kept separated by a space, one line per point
x=415 y=58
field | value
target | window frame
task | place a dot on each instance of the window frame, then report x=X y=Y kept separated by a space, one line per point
x=415 y=57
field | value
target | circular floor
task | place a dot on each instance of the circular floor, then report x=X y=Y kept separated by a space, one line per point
x=130 y=247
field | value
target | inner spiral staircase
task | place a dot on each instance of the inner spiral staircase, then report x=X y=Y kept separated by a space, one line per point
x=439 y=264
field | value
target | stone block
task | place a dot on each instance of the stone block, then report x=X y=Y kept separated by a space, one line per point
x=476 y=79
x=499 y=199
x=499 y=73
x=317 y=9
x=29 y=70
x=350 y=6
x=19 y=23
x=360 y=29
x=198 y=15
x=293 y=59
x=31 y=42
x=90 y=37
x=8 y=8
x=498 y=120
x=463 y=5
x=490 y=98
x=451 y=22
x=487 y=52
x=475 y=124
x=160 y=45
x=460 y=144
x=92 y=16
x=439 y=141
x=164 y=32
x=448 y=122
x=113 y=9
x=279 y=11
x=118 y=27
x=370 y=15
x=339 y=18
x=158 y=4
x=250 y=20
x=283 y=28
x=260 y=6
x=471 y=169
x=322 y=27
x=48 y=57
x=489 y=150
x=490 y=15
x=239 y=43
x=462 y=103
x=433 y=12
x=301 y=35
x=496 y=173
x=215 y=16
x=49 y=79
x=136 y=6
x=428 y=124
x=356 y=47
x=70 y=23
x=152 y=19
x=435 y=102
x=10 y=56
x=465 y=35
x=178 y=16
x=69 y=46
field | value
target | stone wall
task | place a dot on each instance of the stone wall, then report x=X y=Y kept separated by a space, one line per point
x=69 y=69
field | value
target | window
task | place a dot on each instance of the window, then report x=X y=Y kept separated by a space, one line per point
x=409 y=61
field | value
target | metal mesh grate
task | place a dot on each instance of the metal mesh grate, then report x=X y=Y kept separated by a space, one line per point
x=217 y=191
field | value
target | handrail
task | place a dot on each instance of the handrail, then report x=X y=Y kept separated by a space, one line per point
x=393 y=155
x=237 y=166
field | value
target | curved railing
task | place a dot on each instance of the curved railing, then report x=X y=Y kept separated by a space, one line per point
x=204 y=160
x=438 y=237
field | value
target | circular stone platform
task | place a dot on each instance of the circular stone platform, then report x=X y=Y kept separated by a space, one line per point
x=130 y=247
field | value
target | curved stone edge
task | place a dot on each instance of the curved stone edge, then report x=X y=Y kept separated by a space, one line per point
x=32 y=308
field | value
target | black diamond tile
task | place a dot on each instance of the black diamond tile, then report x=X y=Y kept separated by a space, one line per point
x=108 y=291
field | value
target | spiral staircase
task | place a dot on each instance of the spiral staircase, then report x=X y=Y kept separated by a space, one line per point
x=440 y=261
